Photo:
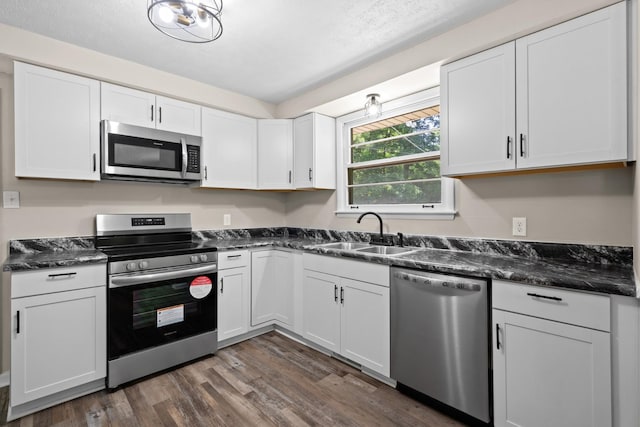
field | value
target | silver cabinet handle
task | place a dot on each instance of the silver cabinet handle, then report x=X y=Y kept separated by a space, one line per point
x=152 y=113
x=310 y=174
x=234 y=256
x=205 y=173
x=222 y=285
x=94 y=162
x=289 y=177
x=160 y=114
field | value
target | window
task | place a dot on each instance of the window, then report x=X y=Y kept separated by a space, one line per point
x=391 y=164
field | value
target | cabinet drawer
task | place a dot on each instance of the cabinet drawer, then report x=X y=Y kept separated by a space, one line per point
x=573 y=307
x=49 y=280
x=233 y=259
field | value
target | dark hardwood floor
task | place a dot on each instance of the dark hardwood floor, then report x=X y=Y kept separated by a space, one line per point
x=269 y=380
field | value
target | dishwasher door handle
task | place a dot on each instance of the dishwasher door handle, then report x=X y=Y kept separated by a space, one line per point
x=454 y=283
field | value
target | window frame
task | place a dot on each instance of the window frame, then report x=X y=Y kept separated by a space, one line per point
x=424 y=99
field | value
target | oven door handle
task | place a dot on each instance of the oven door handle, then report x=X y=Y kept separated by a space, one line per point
x=136 y=279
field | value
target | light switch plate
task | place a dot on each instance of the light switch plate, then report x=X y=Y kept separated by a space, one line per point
x=519 y=226
x=226 y=219
x=10 y=199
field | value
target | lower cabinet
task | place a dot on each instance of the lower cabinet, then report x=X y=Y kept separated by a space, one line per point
x=348 y=316
x=234 y=293
x=58 y=336
x=554 y=368
x=272 y=287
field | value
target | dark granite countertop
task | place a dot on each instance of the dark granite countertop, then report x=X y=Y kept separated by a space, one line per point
x=584 y=268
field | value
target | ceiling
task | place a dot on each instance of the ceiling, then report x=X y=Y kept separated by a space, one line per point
x=271 y=50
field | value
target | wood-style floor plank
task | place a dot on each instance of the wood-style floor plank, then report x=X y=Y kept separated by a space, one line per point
x=269 y=380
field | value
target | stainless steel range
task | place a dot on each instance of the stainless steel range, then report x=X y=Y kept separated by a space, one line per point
x=162 y=299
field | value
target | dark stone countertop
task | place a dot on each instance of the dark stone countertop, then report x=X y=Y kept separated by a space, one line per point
x=563 y=273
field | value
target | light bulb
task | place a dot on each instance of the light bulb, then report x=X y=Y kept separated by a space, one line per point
x=166 y=14
x=202 y=18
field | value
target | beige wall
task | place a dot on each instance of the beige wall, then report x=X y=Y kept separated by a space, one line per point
x=591 y=207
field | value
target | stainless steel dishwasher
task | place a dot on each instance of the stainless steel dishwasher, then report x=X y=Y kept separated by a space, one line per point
x=440 y=339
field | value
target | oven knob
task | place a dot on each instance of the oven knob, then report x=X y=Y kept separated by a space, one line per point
x=203 y=257
x=194 y=259
x=143 y=265
x=131 y=266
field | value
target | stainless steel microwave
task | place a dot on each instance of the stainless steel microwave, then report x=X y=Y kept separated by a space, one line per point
x=135 y=153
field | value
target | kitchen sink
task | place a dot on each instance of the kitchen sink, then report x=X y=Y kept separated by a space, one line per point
x=386 y=250
x=346 y=246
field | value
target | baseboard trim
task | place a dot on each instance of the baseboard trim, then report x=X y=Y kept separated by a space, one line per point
x=5 y=379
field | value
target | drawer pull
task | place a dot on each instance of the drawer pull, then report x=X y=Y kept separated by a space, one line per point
x=54 y=276
x=234 y=256
x=544 y=296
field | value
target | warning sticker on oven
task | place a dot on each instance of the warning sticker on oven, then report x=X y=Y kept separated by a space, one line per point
x=200 y=287
x=169 y=315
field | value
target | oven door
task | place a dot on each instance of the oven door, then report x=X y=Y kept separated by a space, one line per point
x=134 y=151
x=157 y=307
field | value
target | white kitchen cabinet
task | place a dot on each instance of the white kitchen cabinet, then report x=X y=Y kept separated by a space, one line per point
x=136 y=107
x=548 y=367
x=571 y=109
x=478 y=120
x=57 y=124
x=347 y=315
x=229 y=150
x=234 y=293
x=275 y=154
x=272 y=287
x=314 y=139
x=58 y=333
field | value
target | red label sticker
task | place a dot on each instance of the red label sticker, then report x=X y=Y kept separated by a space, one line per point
x=200 y=287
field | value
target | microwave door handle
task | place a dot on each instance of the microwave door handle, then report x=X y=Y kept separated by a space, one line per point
x=184 y=157
x=136 y=279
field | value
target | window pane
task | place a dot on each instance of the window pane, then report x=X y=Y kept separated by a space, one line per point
x=403 y=193
x=399 y=146
x=404 y=172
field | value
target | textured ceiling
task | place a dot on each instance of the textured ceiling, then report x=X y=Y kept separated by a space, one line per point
x=271 y=50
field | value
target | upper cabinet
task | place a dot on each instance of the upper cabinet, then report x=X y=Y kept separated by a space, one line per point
x=57 y=124
x=314 y=139
x=554 y=98
x=275 y=154
x=229 y=147
x=135 y=107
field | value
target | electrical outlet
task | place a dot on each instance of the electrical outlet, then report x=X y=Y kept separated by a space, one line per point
x=10 y=199
x=226 y=219
x=519 y=226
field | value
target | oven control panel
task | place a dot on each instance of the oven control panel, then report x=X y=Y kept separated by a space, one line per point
x=141 y=222
x=172 y=261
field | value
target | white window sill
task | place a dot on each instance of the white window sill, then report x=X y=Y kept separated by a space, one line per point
x=440 y=215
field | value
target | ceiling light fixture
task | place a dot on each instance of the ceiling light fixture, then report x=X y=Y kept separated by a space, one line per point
x=189 y=21
x=373 y=107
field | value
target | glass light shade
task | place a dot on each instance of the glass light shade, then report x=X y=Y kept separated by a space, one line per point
x=187 y=20
x=373 y=107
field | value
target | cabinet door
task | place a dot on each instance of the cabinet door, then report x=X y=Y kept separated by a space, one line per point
x=57 y=124
x=571 y=91
x=477 y=96
x=233 y=302
x=58 y=341
x=549 y=373
x=178 y=116
x=321 y=309
x=365 y=324
x=126 y=105
x=275 y=154
x=314 y=138
x=229 y=150
x=271 y=287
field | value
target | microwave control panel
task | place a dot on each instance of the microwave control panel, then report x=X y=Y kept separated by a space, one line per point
x=193 y=158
